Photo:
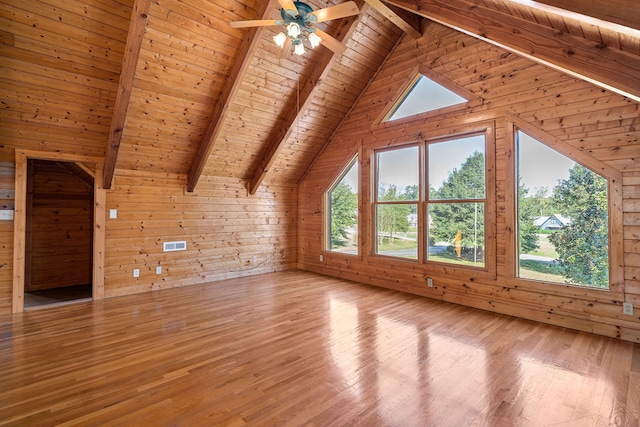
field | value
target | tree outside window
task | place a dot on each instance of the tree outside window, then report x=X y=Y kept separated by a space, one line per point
x=563 y=218
x=456 y=201
x=342 y=201
x=397 y=183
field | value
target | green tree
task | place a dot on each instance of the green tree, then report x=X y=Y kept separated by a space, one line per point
x=582 y=245
x=447 y=219
x=411 y=193
x=528 y=211
x=543 y=202
x=344 y=213
x=392 y=218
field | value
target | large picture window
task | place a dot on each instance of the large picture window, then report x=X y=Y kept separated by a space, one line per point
x=452 y=227
x=563 y=217
x=342 y=218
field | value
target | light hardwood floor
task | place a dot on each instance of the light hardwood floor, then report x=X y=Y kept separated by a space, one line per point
x=297 y=348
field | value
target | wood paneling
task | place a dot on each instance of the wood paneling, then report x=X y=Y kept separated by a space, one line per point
x=224 y=230
x=297 y=348
x=579 y=118
x=7 y=202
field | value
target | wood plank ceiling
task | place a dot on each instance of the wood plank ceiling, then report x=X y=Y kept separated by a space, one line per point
x=167 y=86
x=209 y=99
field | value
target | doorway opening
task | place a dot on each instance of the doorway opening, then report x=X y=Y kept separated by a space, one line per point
x=59 y=233
x=59 y=230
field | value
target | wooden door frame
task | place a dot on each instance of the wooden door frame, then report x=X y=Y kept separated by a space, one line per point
x=20 y=219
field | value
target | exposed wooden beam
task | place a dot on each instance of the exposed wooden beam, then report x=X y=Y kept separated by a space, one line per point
x=137 y=25
x=221 y=108
x=604 y=66
x=307 y=91
x=623 y=12
x=406 y=22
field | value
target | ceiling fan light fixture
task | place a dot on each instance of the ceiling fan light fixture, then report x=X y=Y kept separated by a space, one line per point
x=280 y=38
x=298 y=48
x=298 y=22
x=314 y=40
x=293 y=30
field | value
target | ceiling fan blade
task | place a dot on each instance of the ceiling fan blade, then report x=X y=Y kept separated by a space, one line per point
x=288 y=5
x=253 y=23
x=331 y=42
x=342 y=10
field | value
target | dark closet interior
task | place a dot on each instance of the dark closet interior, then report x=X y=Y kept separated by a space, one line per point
x=59 y=231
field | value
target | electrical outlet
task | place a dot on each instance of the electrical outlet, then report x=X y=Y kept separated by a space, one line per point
x=136 y=272
x=255 y=259
x=321 y=258
x=113 y=213
x=158 y=269
x=627 y=308
x=430 y=282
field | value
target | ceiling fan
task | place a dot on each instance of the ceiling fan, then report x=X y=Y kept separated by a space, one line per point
x=299 y=18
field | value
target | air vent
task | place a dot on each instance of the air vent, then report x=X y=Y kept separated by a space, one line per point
x=175 y=246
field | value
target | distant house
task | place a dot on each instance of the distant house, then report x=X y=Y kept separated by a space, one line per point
x=553 y=222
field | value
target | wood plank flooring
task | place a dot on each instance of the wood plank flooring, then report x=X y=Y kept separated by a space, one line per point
x=297 y=348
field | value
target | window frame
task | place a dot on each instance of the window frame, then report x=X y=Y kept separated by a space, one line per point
x=429 y=202
x=615 y=291
x=489 y=270
x=375 y=202
x=421 y=70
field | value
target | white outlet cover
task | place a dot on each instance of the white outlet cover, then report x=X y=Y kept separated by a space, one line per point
x=158 y=269
x=627 y=308
x=6 y=214
x=113 y=213
x=136 y=272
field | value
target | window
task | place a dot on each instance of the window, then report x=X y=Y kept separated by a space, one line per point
x=396 y=206
x=453 y=229
x=424 y=95
x=342 y=200
x=456 y=201
x=563 y=217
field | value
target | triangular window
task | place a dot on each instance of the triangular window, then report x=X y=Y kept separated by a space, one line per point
x=424 y=95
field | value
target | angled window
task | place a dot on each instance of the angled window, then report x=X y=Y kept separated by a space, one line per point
x=563 y=217
x=456 y=201
x=342 y=209
x=424 y=95
x=396 y=202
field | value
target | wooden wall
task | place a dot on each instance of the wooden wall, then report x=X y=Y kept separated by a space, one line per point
x=7 y=202
x=223 y=227
x=59 y=244
x=575 y=116
x=61 y=63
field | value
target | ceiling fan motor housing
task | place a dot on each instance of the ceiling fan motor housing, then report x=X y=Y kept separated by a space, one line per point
x=303 y=17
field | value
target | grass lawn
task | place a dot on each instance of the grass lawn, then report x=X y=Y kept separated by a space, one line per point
x=397 y=245
x=546 y=248
x=536 y=270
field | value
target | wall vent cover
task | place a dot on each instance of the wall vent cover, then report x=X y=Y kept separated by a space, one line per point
x=175 y=246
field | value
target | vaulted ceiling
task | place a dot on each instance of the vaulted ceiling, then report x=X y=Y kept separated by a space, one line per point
x=167 y=86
